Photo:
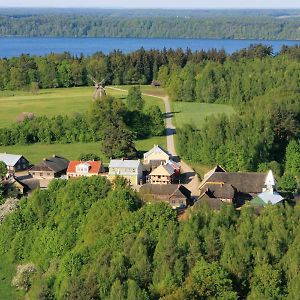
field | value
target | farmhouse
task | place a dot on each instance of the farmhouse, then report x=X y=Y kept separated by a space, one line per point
x=236 y=187
x=14 y=162
x=155 y=157
x=20 y=186
x=78 y=168
x=165 y=173
x=132 y=170
x=175 y=195
x=49 y=168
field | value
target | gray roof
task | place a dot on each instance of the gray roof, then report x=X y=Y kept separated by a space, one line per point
x=169 y=190
x=54 y=163
x=10 y=159
x=223 y=191
x=269 y=197
x=121 y=163
x=244 y=182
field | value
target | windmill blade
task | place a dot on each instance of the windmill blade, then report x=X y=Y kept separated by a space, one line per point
x=93 y=79
x=102 y=82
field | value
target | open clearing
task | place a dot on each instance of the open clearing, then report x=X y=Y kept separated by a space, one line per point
x=36 y=152
x=194 y=113
x=50 y=102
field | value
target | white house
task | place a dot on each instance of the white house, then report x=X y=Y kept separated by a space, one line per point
x=132 y=170
x=156 y=156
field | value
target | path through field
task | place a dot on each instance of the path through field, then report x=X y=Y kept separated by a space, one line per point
x=189 y=177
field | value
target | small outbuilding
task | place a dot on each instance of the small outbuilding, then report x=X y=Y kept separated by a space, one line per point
x=176 y=195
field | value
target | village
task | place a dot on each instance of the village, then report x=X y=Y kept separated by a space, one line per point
x=157 y=177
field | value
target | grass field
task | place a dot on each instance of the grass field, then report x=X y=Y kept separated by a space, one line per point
x=36 y=152
x=194 y=113
x=147 y=89
x=65 y=101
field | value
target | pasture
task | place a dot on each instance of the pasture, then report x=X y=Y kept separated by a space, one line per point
x=194 y=113
x=36 y=152
x=50 y=102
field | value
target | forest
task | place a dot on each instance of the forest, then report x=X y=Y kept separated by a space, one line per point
x=83 y=239
x=226 y=24
x=265 y=91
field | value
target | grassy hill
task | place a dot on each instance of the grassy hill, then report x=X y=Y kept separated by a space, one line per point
x=51 y=102
x=194 y=113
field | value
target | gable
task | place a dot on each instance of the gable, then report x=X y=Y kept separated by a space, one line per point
x=156 y=153
x=10 y=159
x=93 y=167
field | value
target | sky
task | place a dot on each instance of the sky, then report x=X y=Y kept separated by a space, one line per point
x=155 y=3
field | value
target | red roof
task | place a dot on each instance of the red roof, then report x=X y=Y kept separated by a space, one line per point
x=95 y=166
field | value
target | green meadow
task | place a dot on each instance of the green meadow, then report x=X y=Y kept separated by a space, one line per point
x=50 y=102
x=194 y=113
x=36 y=152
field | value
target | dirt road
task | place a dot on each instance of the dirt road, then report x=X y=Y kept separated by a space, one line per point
x=189 y=177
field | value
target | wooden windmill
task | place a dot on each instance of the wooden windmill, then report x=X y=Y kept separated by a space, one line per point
x=99 y=88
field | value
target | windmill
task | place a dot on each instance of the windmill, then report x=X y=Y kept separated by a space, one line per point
x=99 y=88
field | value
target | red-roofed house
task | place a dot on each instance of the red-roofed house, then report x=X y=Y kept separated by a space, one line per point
x=79 y=168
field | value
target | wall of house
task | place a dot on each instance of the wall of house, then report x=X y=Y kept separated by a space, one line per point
x=158 y=179
x=43 y=174
x=74 y=175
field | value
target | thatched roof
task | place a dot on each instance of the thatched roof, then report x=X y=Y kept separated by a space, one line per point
x=244 y=182
x=166 y=190
x=224 y=191
x=54 y=163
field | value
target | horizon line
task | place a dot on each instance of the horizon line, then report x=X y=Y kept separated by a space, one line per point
x=150 y=7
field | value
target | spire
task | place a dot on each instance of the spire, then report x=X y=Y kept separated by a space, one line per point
x=270 y=180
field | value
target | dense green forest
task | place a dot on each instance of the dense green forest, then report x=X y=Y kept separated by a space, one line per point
x=65 y=70
x=264 y=89
x=152 y=24
x=82 y=239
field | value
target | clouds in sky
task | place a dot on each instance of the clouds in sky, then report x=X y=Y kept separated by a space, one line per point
x=156 y=3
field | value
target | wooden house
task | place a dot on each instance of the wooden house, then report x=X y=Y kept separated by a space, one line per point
x=235 y=187
x=49 y=168
x=177 y=196
x=155 y=157
x=14 y=162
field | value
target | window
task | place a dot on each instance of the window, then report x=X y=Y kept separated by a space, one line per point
x=41 y=174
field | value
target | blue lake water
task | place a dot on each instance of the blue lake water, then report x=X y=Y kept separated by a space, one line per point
x=14 y=46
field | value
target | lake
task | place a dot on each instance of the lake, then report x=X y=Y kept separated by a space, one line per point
x=14 y=46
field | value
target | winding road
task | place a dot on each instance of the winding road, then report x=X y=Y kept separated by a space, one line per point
x=189 y=177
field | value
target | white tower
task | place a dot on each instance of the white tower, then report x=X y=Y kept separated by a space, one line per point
x=270 y=183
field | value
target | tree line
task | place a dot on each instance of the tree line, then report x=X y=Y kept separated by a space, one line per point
x=108 y=120
x=157 y=25
x=263 y=88
x=109 y=245
x=65 y=70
